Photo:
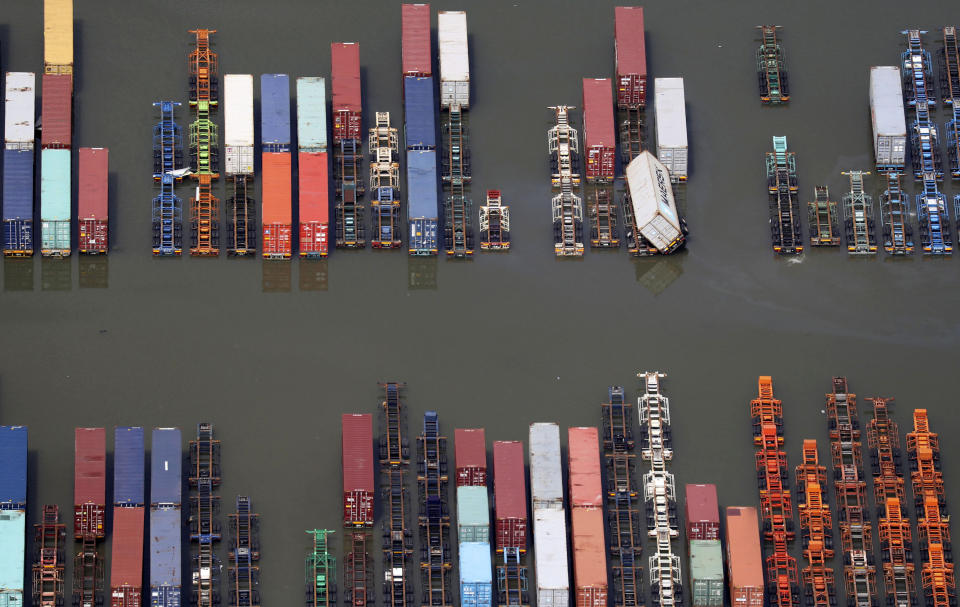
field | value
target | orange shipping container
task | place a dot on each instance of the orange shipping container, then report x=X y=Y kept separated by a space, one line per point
x=589 y=556
x=586 y=489
x=744 y=559
x=277 y=207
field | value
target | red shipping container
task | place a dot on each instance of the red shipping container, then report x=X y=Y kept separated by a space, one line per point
x=357 y=453
x=277 y=207
x=346 y=125
x=586 y=488
x=126 y=564
x=631 y=55
x=703 y=513
x=598 y=129
x=126 y=596
x=415 y=39
x=314 y=203
x=92 y=199
x=56 y=111
x=510 y=495
x=470 y=447
x=589 y=557
x=744 y=559
x=89 y=481
x=345 y=76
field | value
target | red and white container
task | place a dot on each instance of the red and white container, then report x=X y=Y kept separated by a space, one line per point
x=470 y=448
x=510 y=495
x=345 y=90
x=599 y=130
x=357 y=452
x=93 y=200
x=89 y=482
x=631 y=55
x=703 y=513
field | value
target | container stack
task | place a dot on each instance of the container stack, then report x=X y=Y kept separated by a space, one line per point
x=93 y=201
x=549 y=516
x=312 y=164
x=703 y=546
x=56 y=118
x=165 y=517
x=744 y=560
x=601 y=159
x=510 y=501
x=238 y=165
x=348 y=147
x=18 y=134
x=204 y=147
x=423 y=210
x=89 y=512
x=586 y=517
x=277 y=208
x=473 y=518
x=669 y=106
x=126 y=562
x=13 y=513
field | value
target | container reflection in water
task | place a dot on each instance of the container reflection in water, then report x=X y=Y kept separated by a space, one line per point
x=657 y=273
x=18 y=274
x=94 y=272
x=277 y=276
x=56 y=274
x=313 y=274
x=422 y=273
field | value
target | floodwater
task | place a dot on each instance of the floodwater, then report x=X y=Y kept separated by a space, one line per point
x=272 y=353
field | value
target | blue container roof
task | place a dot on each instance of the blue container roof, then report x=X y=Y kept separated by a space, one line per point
x=165 y=466
x=275 y=108
x=420 y=127
x=422 y=195
x=475 y=563
x=128 y=466
x=18 y=184
x=165 y=547
x=13 y=465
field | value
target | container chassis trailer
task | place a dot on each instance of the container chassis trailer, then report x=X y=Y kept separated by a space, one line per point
x=858 y=217
x=348 y=185
x=816 y=528
x=356 y=571
x=456 y=178
x=321 y=571
x=824 y=222
x=50 y=538
x=204 y=478
x=567 y=207
x=782 y=188
x=434 y=519
x=895 y=218
x=167 y=214
x=204 y=147
x=384 y=146
x=771 y=67
x=244 y=573
x=494 y=223
x=398 y=589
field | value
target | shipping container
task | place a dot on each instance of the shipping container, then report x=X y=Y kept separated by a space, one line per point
x=128 y=466
x=415 y=43
x=598 y=129
x=357 y=452
x=57 y=33
x=546 y=473
x=93 y=201
x=165 y=529
x=420 y=128
x=13 y=535
x=423 y=209
x=89 y=481
x=510 y=495
x=470 y=447
x=126 y=561
x=473 y=514
x=13 y=470
x=345 y=90
x=886 y=114
x=238 y=123
x=706 y=573
x=671 y=123
x=56 y=110
x=165 y=466
x=275 y=112
x=476 y=575
x=277 y=207
x=586 y=486
x=55 y=202
x=18 y=202
x=703 y=512
x=550 y=553
x=312 y=114
x=744 y=559
x=631 y=56
x=589 y=557
x=454 y=59
x=19 y=107
x=313 y=172
x=651 y=197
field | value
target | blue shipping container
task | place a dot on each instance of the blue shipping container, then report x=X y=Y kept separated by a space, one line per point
x=18 y=184
x=275 y=112
x=165 y=596
x=13 y=537
x=476 y=575
x=13 y=467
x=165 y=547
x=165 y=483
x=312 y=114
x=420 y=128
x=128 y=466
x=422 y=198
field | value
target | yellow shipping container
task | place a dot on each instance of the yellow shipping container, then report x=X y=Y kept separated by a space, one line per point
x=57 y=32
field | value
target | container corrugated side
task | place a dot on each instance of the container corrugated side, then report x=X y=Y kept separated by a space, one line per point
x=13 y=537
x=18 y=184
x=90 y=451
x=422 y=198
x=238 y=110
x=420 y=128
x=744 y=558
x=454 y=58
x=654 y=209
x=671 y=125
x=165 y=547
x=19 y=107
x=510 y=495
x=58 y=32
x=275 y=112
x=13 y=470
x=314 y=202
x=473 y=514
x=583 y=447
x=703 y=512
x=470 y=456
x=345 y=76
x=166 y=466
x=706 y=573
x=56 y=110
x=589 y=556
x=546 y=473
x=126 y=562
x=631 y=56
x=312 y=114
x=128 y=465
x=476 y=575
x=550 y=554
x=887 y=117
x=415 y=39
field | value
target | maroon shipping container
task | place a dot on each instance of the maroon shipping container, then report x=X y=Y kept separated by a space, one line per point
x=744 y=559
x=703 y=512
x=56 y=110
x=345 y=88
x=510 y=495
x=631 y=54
x=89 y=481
x=126 y=565
x=357 y=451
x=470 y=445
x=415 y=27
x=598 y=129
x=92 y=199
x=586 y=489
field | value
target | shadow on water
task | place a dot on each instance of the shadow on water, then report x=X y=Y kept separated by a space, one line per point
x=94 y=272
x=656 y=274
x=277 y=276
x=314 y=274
x=422 y=273
x=56 y=274
x=18 y=274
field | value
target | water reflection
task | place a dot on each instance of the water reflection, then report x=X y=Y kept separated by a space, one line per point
x=313 y=274
x=94 y=272
x=657 y=273
x=56 y=274
x=277 y=276
x=421 y=273
x=17 y=274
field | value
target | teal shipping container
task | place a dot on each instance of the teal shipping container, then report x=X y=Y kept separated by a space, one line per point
x=473 y=514
x=706 y=573
x=312 y=114
x=13 y=535
x=55 y=202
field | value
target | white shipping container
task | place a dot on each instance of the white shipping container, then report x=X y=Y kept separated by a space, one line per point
x=454 y=59
x=238 y=160
x=546 y=475
x=671 y=124
x=20 y=107
x=550 y=556
x=238 y=112
x=886 y=114
x=654 y=208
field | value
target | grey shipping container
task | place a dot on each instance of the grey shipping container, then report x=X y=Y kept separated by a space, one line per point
x=473 y=514
x=165 y=469
x=550 y=555
x=165 y=547
x=886 y=114
x=546 y=474
x=128 y=466
x=706 y=573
